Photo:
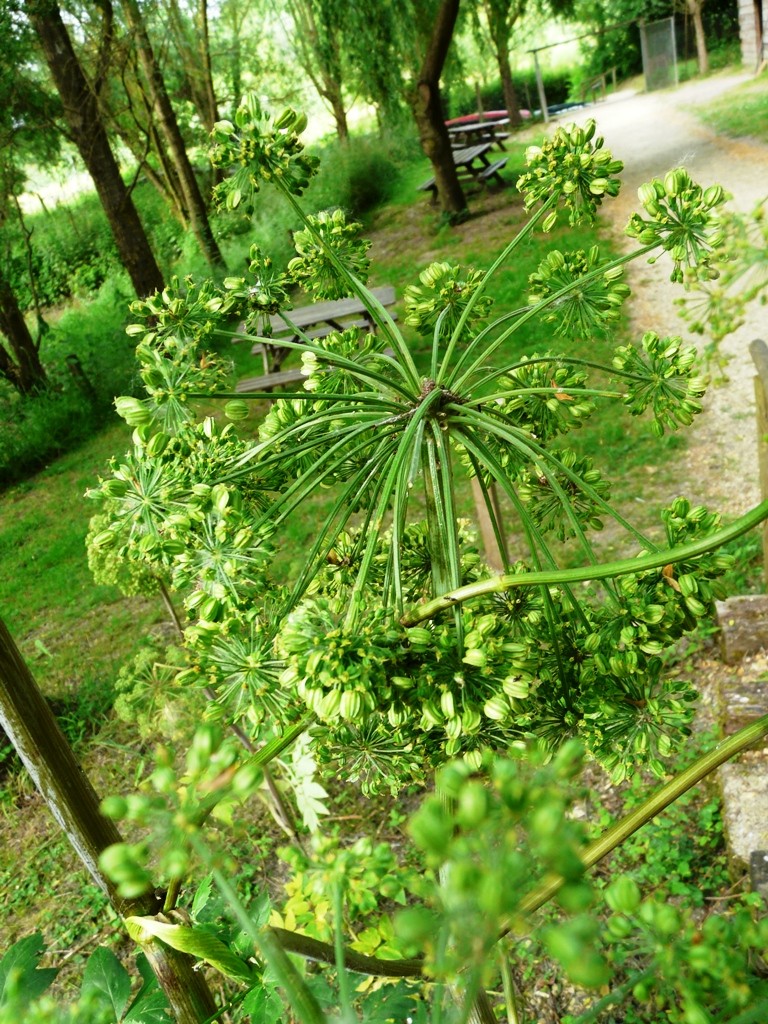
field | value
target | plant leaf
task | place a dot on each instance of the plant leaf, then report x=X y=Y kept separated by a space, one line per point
x=21 y=980
x=195 y=941
x=202 y=896
x=106 y=975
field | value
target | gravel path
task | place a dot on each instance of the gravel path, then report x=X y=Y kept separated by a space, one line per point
x=652 y=133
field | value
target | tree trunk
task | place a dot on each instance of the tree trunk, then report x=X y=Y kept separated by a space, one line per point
x=508 y=86
x=694 y=8
x=427 y=106
x=209 y=107
x=332 y=93
x=24 y=371
x=86 y=127
x=169 y=127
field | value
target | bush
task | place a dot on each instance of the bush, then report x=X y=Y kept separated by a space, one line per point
x=73 y=252
x=357 y=176
x=35 y=429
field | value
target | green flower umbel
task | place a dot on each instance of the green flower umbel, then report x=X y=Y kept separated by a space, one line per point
x=574 y=166
x=682 y=220
x=263 y=149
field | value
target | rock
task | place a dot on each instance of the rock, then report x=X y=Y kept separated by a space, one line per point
x=743 y=625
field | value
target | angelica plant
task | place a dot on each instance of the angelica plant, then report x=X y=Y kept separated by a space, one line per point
x=392 y=656
x=338 y=640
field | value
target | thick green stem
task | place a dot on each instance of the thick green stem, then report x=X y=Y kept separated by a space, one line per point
x=312 y=949
x=71 y=799
x=608 y=570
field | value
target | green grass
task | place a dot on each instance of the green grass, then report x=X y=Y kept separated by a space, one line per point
x=69 y=628
x=742 y=113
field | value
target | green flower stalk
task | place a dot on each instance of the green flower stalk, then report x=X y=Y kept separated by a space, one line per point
x=390 y=444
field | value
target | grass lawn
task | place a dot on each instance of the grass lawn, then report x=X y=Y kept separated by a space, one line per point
x=742 y=113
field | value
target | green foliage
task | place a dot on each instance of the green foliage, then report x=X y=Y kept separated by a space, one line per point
x=740 y=113
x=105 y=993
x=462 y=98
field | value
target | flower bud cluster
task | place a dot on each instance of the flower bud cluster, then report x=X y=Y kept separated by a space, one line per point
x=499 y=831
x=263 y=149
x=663 y=376
x=565 y=498
x=326 y=242
x=261 y=295
x=682 y=219
x=443 y=295
x=585 y=306
x=575 y=167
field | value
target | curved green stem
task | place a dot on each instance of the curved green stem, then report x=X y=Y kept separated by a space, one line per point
x=500 y=259
x=550 y=577
x=655 y=804
x=338 y=361
x=380 y=314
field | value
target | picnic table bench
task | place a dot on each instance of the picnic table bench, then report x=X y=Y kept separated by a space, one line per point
x=472 y=164
x=480 y=131
x=313 y=321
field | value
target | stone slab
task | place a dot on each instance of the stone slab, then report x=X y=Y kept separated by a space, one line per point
x=745 y=808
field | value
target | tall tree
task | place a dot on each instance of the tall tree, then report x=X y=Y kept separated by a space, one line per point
x=502 y=16
x=427 y=105
x=702 y=57
x=191 y=36
x=86 y=128
x=20 y=362
x=25 y=111
x=318 y=39
x=194 y=205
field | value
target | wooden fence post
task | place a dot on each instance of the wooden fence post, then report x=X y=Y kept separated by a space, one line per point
x=759 y=352
x=33 y=730
x=488 y=537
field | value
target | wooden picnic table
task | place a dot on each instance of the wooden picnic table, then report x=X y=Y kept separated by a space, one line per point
x=313 y=321
x=472 y=164
x=480 y=131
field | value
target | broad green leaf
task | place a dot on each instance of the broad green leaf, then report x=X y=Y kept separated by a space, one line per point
x=202 y=896
x=264 y=1005
x=150 y=1008
x=20 y=977
x=106 y=975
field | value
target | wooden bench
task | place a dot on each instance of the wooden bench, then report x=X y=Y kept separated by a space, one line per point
x=278 y=379
x=269 y=381
x=314 y=321
x=319 y=332
x=492 y=171
x=469 y=175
